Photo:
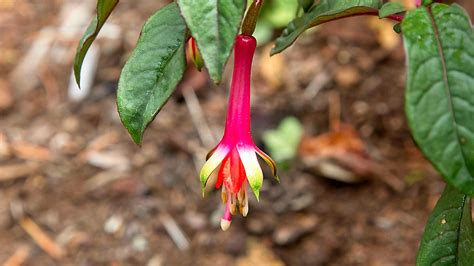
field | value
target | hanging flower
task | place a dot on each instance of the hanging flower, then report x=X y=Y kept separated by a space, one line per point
x=236 y=152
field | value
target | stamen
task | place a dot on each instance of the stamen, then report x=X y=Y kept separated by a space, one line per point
x=241 y=194
x=244 y=205
x=233 y=204
x=224 y=195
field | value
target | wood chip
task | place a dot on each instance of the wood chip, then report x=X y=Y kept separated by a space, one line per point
x=101 y=142
x=14 y=171
x=6 y=96
x=31 y=152
x=5 y=151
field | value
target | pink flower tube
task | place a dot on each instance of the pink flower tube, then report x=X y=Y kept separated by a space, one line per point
x=235 y=155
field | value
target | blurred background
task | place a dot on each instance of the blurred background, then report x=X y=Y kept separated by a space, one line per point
x=75 y=190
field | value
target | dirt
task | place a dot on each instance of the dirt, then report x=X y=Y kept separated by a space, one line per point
x=102 y=200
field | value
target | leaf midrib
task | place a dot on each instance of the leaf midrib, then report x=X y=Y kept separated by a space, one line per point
x=458 y=230
x=447 y=86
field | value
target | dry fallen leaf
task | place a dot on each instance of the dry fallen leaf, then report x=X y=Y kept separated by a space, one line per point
x=341 y=155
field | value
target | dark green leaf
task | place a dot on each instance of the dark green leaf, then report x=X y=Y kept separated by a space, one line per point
x=429 y=2
x=153 y=70
x=397 y=28
x=426 y=2
x=449 y=236
x=214 y=25
x=390 y=8
x=325 y=11
x=104 y=8
x=439 y=99
x=306 y=4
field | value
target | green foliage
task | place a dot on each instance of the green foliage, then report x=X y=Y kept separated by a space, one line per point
x=426 y=2
x=306 y=4
x=279 y=12
x=325 y=11
x=104 y=8
x=275 y=14
x=449 y=236
x=439 y=97
x=214 y=25
x=153 y=70
x=283 y=142
x=397 y=28
x=391 y=8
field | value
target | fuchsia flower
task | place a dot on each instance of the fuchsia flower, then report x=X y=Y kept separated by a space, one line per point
x=236 y=152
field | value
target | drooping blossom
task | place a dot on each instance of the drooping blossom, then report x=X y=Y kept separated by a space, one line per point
x=236 y=153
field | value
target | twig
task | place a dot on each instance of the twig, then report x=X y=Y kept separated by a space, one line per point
x=316 y=85
x=19 y=257
x=176 y=234
x=195 y=110
x=103 y=178
x=41 y=238
x=334 y=111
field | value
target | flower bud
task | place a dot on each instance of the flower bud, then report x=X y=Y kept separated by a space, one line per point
x=195 y=55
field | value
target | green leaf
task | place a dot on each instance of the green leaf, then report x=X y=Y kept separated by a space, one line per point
x=306 y=4
x=426 y=2
x=279 y=12
x=153 y=70
x=214 y=25
x=391 y=8
x=104 y=8
x=449 y=236
x=439 y=99
x=283 y=142
x=325 y=11
x=397 y=28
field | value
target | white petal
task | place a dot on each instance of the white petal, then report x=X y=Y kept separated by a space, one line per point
x=212 y=164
